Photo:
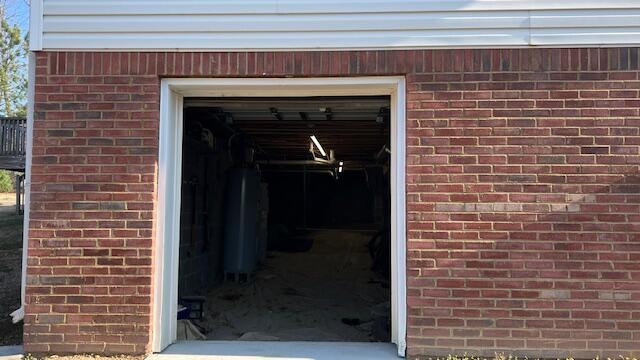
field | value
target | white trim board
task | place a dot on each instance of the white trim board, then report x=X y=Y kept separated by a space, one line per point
x=36 y=21
x=173 y=91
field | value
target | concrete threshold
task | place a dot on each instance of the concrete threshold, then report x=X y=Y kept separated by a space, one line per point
x=280 y=350
x=13 y=352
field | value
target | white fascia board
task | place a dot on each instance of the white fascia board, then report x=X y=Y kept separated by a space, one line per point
x=176 y=7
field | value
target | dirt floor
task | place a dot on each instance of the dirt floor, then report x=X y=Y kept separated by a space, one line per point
x=10 y=269
x=90 y=357
x=325 y=294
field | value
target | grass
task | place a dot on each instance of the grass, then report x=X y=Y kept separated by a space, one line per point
x=10 y=269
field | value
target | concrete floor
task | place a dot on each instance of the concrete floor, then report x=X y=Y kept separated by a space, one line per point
x=276 y=350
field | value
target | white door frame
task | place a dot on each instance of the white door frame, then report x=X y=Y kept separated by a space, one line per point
x=166 y=247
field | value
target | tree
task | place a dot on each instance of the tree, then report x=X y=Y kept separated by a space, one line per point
x=13 y=68
x=6 y=185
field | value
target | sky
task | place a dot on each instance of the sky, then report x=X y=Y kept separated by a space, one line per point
x=18 y=13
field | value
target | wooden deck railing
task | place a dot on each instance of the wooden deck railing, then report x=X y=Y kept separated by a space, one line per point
x=13 y=136
x=13 y=143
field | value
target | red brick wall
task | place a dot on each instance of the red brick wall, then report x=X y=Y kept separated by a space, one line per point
x=523 y=195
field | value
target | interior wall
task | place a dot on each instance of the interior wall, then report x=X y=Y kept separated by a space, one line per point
x=329 y=202
x=201 y=233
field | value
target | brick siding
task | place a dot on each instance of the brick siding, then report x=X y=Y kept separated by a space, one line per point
x=523 y=195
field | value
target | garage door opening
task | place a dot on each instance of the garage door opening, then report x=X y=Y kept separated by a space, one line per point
x=181 y=96
x=285 y=222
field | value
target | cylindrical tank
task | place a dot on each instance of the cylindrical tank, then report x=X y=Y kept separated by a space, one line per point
x=241 y=221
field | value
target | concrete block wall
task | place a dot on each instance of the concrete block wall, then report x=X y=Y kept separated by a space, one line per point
x=200 y=264
x=523 y=195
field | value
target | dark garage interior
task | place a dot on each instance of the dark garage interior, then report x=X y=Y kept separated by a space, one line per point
x=285 y=219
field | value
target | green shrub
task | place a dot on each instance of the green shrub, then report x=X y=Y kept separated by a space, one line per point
x=6 y=184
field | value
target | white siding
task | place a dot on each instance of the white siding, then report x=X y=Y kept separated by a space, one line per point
x=333 y=24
